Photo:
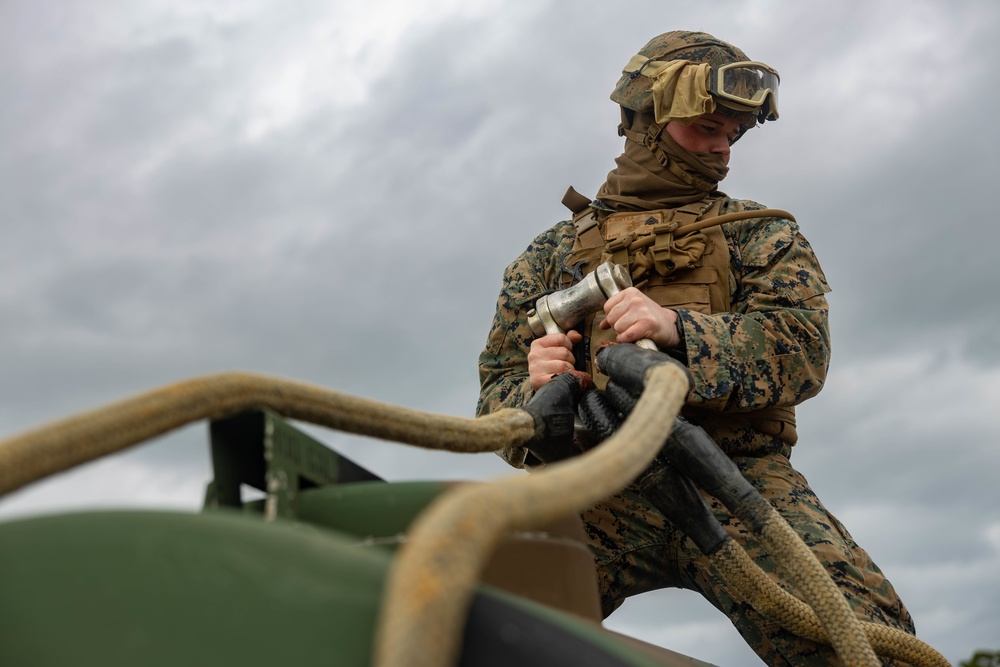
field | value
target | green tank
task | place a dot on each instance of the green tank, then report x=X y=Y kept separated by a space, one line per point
x=295 y=576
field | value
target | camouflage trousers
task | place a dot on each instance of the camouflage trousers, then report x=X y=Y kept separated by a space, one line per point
x=637 y=550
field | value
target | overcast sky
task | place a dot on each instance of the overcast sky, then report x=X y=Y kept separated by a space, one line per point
x=330 y=191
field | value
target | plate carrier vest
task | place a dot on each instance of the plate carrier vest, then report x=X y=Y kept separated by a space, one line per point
x=677 y=265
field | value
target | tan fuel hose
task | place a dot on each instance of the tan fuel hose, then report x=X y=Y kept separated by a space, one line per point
x=61 y=445
x=810 y=578
x=691 y=460
x=781 y=606
x=433 y=577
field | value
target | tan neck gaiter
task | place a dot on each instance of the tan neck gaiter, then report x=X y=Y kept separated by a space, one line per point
x=640 y=182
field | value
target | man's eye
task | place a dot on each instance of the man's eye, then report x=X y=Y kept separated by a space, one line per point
x=708 y=128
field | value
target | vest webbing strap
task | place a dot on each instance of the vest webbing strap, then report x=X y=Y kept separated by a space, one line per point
x=574 y=201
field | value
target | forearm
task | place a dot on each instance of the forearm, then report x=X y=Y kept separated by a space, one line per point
x=772 y=346
x=502 y=389
x=753 y=360
x=503 y=375
x=503 y=365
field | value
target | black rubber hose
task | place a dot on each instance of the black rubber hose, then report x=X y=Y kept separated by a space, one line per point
x=553 y=408
x=620 y=398
x=689 y=448
x=627 y=364
x=696 y=455
x=598 y=414
x=677 y=498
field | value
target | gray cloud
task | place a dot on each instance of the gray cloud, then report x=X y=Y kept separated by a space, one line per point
x=264 y=189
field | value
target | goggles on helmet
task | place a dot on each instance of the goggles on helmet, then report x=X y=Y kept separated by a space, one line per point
x=746 y=86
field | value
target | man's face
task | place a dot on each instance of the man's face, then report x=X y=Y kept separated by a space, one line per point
x=709 y=133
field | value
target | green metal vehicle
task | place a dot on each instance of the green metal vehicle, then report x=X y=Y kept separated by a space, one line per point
x=293 y=578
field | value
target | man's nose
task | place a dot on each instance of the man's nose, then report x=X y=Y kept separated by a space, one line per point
x=720 y=146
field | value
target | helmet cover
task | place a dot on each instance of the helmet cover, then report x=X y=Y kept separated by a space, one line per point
x=635 y=92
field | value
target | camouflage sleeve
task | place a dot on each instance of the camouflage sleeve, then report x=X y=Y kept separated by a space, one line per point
x=503 y=364
x=773 y=348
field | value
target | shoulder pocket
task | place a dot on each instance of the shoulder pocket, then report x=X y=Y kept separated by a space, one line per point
x=768 y=242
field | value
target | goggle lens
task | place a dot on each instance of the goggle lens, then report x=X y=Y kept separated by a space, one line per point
x=752 y=85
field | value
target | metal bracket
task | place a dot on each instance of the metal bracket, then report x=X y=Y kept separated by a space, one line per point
x=261 y=450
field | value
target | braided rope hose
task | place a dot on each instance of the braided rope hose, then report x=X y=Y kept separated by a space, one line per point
x=432 y=580
x=778 y=604
x=691 y=451
x=84 y=437
x=842 y=626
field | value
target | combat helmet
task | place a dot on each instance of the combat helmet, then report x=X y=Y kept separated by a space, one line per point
x=739 y=88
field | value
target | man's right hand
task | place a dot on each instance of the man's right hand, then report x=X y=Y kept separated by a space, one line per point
x=550 y=355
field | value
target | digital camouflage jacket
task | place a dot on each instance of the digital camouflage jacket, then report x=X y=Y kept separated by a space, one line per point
x=770 y=350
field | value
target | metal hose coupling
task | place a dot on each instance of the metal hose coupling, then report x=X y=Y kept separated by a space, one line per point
x=560 y=311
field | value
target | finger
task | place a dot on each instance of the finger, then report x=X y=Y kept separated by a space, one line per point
x=614 y=300
x=631 y=329
x=622 y=321
x=542 y=348
x=549 y=359
x=560 y=366
x=628 y=335
x=541 y=375
x=554 y=340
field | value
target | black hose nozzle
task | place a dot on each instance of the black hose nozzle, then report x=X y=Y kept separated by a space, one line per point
x=677 y=498
x=553 y=407
x=697 y=456
x=628 y=364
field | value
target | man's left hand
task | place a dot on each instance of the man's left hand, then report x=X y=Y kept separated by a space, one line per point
x=635 y=316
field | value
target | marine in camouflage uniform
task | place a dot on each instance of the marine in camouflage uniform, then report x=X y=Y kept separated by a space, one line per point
x=756 y=346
